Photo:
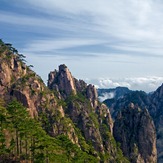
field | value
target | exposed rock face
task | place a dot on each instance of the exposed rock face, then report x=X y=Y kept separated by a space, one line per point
x=62 y=80
x=18 y=81
x=135 y=130
x=154 y=104
x=72 y=109
x=92 y=118
x=79 y=109
x=10 y=70
x=156 y=111
x=65 y=84
x=92 y=95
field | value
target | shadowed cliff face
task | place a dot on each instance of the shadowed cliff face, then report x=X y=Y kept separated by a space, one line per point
x=135 y=130
x=154 y=104
x=156 y=111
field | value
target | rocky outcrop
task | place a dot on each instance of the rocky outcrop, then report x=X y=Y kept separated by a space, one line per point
x=154 y=104
x=18 y=81
x=65 y=84
x=72 y=109
x=11 y=69
x=156 y=111
x=82 y=106
x=63 y=81
x=135 y=131
x=92 y=95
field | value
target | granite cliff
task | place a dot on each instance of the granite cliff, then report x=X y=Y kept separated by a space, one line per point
x=152 y=102
x=156 y=110
x=82 y=106
x=135 y=130
x=67 y=107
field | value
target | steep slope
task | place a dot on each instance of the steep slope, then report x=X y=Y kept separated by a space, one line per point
x=70 y=108
x=67 y=112
x=152 y=102
x=135 y=130
x=82 y=106
x=156 y=111
x=18 y=81
x=24 y=140
x=139 y=98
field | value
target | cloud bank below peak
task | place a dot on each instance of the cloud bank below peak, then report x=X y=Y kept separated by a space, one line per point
x=148 y=84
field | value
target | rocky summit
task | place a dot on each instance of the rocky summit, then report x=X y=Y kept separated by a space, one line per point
x=64 y=121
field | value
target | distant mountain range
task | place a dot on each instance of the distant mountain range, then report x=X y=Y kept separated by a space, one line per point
x=112 y=93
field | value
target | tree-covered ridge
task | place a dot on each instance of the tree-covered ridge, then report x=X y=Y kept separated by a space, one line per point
x=22 y=138
x=9 y=50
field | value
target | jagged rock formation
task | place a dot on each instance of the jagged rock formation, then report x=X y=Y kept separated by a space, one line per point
x=65 y=84
x=92 y=95
x=72 y=109
x=83 y=108
x=153 y=102
x=135 y=130
x=18 y=81
x=156 y=111
x=67 y=107
x=63 y=81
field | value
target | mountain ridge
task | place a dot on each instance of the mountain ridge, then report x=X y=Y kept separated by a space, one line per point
x=152 y=102
x=67 y=107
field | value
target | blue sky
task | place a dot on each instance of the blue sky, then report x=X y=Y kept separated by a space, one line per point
x=106 y=43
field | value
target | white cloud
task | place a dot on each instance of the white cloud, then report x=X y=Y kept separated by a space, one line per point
x=147 y=84
x=37 y=22
x=138 y=24
x=108 y=83
x=105 y=96
x=121 y=34
x=51 y=45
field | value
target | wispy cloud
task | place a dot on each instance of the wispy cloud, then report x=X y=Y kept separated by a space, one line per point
x=134 y=22
x=105 y=96
x=123 y=34
x=52 y=45
x=137 y=23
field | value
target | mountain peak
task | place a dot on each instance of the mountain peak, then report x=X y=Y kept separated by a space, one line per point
x=62 y=80
x=62 y=67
